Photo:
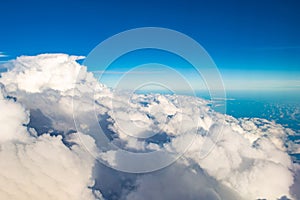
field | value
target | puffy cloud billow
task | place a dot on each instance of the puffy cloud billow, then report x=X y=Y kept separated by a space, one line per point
x=45 y=155
x=39 y=167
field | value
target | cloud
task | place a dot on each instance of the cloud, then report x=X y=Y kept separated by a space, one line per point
x=3 y=55
x=249 y=150
x=35 y=167
x=40 y=142
x=14 y=115
x=37 y=73
x=44 y=168
x=180 y=182
x=97 y=73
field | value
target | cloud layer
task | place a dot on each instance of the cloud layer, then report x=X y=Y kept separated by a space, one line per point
x=47 y=155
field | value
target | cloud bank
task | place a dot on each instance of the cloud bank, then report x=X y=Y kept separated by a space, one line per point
x=48 y=156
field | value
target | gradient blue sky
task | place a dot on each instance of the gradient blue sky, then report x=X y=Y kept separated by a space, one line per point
x=255 y=42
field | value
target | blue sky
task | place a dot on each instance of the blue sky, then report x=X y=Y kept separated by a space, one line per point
x=251 y=41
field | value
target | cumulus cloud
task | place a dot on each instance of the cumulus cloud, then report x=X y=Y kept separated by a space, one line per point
x=37 y=73
x=180 y=182
x=12 y=117
x=226 y=158
x=44 y=168
x=35 y=167
x=249 y=151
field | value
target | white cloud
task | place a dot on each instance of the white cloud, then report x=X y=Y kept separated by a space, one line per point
x=44 y=168
x=250 y=159
x=180 y=182
x=37 y=73
x=11 y=120
x=3 y=55
x=35 y=167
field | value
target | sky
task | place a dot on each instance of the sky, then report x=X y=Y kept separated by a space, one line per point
x=255 y=44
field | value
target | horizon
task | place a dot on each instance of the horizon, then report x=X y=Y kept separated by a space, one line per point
x=250 y=42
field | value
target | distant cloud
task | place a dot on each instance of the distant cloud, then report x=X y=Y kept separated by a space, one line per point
x=3 y=55
x=126 y=72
